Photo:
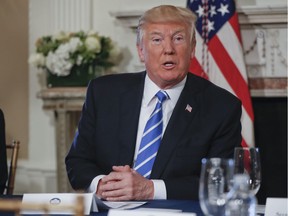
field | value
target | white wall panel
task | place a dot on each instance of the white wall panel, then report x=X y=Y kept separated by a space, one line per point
x=70 y=15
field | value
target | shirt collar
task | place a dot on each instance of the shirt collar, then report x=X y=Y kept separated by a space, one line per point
x=150 y=90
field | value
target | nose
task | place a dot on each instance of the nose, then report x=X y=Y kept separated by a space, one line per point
x=168 y=47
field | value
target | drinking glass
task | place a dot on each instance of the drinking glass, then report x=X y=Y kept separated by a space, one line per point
x=215 y=183
x=247 y=160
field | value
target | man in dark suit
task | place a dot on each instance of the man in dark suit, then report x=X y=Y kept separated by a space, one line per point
x=200 y=120
x=3 y=156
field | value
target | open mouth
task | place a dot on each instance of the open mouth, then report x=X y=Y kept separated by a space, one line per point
x=169 y=65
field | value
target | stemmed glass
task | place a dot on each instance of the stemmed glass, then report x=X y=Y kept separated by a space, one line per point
x=247 y=160
x=215 y=183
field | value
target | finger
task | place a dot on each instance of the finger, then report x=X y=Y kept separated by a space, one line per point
x=117 y=195
x=125 y=168
x=112 y=194
x=98 y=190
x=113 y=185
x=135 y=172
x=113 y=176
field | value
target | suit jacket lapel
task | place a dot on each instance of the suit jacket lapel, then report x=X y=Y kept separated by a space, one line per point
x=178 y=123
x=129 y=110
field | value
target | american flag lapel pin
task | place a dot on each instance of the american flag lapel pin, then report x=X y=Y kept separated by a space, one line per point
x=188 y=108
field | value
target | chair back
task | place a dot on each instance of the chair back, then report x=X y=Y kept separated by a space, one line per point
x=14 y=147
x=19 y=208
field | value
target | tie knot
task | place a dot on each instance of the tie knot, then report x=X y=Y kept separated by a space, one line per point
x=162 y=95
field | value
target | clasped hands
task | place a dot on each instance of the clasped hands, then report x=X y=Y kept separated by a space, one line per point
x=124 y=183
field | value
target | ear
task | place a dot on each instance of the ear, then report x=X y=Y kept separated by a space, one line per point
x=140 y=53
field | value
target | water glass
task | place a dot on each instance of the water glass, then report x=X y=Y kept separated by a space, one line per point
x=215 y=182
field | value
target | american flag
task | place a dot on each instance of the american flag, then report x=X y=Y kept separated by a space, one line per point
x=219 y=55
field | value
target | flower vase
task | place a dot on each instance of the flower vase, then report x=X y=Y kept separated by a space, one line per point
x=79 y=76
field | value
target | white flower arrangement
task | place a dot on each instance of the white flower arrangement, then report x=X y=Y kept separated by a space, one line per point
x=58 y=54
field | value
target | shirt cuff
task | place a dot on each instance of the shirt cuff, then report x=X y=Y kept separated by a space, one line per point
x=159 y=189
x=93 y=186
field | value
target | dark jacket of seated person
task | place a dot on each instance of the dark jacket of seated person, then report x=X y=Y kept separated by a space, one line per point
x=3 y=156
x=197 y=119
x=107 y=132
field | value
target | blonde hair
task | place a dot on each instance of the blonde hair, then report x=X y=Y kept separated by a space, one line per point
x=167 y=13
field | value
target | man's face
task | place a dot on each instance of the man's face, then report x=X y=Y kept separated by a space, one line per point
x=166 y=51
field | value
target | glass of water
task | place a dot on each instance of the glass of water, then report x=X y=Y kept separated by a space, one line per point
x=215 y=182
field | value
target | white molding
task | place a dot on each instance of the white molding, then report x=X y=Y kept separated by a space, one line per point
x=127 y=18
x=269 y=14
x=248 y=15
x=70 y=15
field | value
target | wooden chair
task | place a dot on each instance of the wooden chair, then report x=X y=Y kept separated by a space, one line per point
x=19 y=208
x=14 y=147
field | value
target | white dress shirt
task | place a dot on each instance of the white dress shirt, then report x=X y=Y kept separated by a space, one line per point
x=148 y=104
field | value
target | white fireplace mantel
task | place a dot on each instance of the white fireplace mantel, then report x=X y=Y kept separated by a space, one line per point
x=248 y=15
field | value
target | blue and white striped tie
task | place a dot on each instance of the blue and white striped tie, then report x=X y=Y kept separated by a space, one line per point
x=151 y=138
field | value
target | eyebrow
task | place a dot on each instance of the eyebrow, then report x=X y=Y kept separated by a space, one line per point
x=160 y=33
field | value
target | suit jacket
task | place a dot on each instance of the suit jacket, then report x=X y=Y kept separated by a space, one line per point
x=107 y=132
x=3 y=154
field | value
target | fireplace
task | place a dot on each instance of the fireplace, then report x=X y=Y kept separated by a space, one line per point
x=270 y=128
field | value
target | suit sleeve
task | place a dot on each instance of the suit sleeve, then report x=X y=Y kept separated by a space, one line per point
x=80 y=162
